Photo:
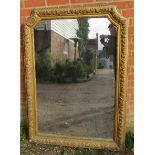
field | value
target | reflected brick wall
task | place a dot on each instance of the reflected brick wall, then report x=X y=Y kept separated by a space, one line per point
x=125 y=7
x=57 y=48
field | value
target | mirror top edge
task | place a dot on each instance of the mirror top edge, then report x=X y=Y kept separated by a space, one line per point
x=32 y=23
x=81 y=7
x=73 y=12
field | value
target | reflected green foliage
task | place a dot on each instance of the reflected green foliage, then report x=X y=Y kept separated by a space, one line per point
x=43 y=65
x=99 y=66
x=62 y=71
x=68 y=70
x=89 y=58
x=59 y=72
x=79 y=69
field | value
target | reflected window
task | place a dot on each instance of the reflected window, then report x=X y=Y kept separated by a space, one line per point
x=66 y=46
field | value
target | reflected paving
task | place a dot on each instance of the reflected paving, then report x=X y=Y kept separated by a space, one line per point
x=78 y=109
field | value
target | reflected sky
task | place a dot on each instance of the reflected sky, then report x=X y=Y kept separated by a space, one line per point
x=100 y=26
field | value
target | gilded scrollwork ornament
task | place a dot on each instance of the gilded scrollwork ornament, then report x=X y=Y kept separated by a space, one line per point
x=118 y=142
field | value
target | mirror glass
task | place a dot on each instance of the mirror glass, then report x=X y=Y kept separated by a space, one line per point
x=75 y=64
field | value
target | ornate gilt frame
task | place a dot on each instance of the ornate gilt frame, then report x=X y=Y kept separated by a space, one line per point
x=118 y=141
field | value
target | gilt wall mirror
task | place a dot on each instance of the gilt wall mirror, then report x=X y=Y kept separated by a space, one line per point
x=75 y=71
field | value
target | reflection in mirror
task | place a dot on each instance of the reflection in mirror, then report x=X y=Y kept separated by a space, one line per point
x=75 y=62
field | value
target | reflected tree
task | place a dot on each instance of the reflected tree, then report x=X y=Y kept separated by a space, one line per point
x=82 y=33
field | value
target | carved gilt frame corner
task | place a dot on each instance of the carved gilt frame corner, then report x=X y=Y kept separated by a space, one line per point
x=118 y=141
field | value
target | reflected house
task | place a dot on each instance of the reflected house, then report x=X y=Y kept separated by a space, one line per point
x=92 y=44
x=106 y=62
x=54 y=36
